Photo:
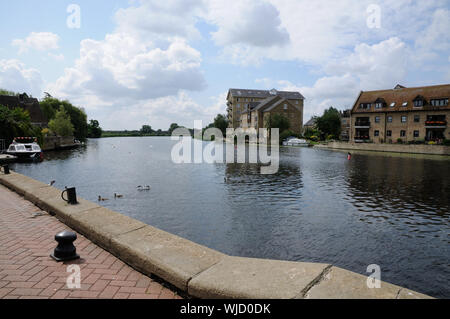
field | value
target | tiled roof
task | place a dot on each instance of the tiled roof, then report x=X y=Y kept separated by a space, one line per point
x=264 y=94
x=401 y=95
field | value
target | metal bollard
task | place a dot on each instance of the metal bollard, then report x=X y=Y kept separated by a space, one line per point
x=65 y=250
x=71 y=195
x=6 y=169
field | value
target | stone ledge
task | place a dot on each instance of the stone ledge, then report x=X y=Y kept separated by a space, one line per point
x=201 y=271
x=248 y=278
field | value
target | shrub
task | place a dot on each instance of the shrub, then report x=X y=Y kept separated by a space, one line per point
x=446 y=142
x=399 y=141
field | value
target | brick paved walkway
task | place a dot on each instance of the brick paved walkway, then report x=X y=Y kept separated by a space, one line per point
x=27 y=271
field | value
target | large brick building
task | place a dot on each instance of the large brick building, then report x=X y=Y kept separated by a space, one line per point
x=252 y=108
x=406 y=114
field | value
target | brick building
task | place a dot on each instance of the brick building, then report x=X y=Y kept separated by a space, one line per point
x=406 y=114
x=28 y=104
x=252 y=108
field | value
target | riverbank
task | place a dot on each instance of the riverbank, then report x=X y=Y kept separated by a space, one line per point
x=195 y=269
x=28 y=272
x=391 y=148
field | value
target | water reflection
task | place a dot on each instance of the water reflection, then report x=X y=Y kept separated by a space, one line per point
x=376 y=208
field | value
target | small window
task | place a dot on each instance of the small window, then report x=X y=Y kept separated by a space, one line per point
x=296 y=102
x=418 y=103
x=392 y=104
x=416 y=133
x=377 y=119
x=377 y=133
x=417 y=118
x=405 y=104
x=378 y=105
x=238 y=99
x=285 y=107
x=388 y=133
x=402 y=133
x=389 y=119
x=404 y=119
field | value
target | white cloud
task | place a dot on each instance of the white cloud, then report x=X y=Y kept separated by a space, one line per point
x=14 y=76
x=155 y=18
x=121 y=66
x=40 y=41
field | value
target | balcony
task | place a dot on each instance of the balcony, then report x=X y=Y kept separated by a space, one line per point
x=435 y=124
x=362 y=124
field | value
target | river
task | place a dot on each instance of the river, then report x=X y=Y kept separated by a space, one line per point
x=381 y=209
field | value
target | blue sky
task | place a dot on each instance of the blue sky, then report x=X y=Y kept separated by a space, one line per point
x=151 y=62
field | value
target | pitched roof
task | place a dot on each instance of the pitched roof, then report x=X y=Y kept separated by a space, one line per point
x=311 y=122
x=400 y=95
x=264 y=94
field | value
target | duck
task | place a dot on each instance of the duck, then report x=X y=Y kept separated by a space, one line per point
x=146 y=188
x=117 y=195
x=52 y=183
x=101 y=199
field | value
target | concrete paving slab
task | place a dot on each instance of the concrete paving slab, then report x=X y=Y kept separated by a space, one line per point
x=343 y=284
x=248 y=278
x=168 y=256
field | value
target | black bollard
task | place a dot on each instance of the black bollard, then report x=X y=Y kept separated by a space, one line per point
x=65 y=250
x=71 y=195
x=6 y=169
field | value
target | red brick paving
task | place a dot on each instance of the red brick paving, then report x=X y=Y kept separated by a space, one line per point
x=27 y=271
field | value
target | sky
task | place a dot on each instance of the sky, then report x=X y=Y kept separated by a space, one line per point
x=153 y=62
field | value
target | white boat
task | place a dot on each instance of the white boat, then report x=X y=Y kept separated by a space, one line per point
x=25 y=148
x=295 y=142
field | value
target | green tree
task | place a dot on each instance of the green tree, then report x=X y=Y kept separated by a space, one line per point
x=61 y=124
x=146 y=129
x=221 y=122
x=15 y=123
x=173 y=127
x=278 y=121
x=6 y=92
x=94 y=129
x=329 y=123
x=78 y=117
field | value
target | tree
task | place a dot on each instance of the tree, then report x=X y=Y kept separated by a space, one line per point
x=278 y=121
x=6 y=92
x=78 y=117
x=61 y=124
x=221 y=122
x=173 y=127
x=16 y=122
x=329 y=123
x=94 y=129
x=146 y=129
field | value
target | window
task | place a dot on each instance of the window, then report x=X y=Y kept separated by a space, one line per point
x=378 y=105
x=285 y=107
x=377 y=133
x=364 y=106
x=389 y=133
x=389 y=119
x=416 y=133
x=392 y=104
x=405 y=104
x=439 y=102
x=418 y=103
x=238 y=99
x=377 y=119
x=417 y=118
x=404 y=118
x=296 y=102
x=402 y=133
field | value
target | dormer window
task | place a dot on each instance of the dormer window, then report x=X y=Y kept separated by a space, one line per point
x=379 y=103
x=273 y=92
x=439 y=102
x=419 y=101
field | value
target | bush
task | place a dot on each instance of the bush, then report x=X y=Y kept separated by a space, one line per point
x=399 y=141
x=446 y=142
x=314 y=138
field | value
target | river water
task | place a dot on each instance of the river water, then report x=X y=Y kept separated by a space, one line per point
x=381 y=209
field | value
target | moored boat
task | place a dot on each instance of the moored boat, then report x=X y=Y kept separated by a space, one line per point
x=25 y=148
